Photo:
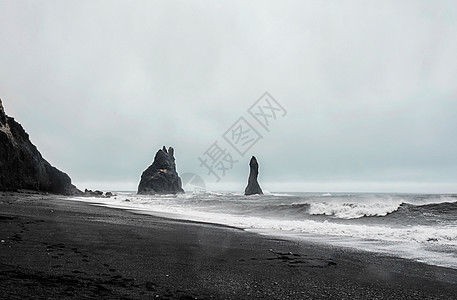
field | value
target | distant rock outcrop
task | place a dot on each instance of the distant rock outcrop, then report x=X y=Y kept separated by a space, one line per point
x=161 y=177
x=97 y=194
x=253 y=187
x=23 y=167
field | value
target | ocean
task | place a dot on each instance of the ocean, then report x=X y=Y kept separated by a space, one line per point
x=412 y=226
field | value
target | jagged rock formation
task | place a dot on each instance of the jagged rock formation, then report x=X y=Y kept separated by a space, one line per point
x=23 y=167
x=161 y=177
x=253 y=187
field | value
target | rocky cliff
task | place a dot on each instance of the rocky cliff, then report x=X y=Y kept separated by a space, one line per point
x=161 y=177
x=23 y=167
x=253 y=186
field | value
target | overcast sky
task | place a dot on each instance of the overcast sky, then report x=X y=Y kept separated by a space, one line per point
x=369 y=89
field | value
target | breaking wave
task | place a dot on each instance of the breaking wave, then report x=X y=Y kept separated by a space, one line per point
x=347 y=210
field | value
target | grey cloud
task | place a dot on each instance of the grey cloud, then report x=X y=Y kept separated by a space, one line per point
x=369 y=87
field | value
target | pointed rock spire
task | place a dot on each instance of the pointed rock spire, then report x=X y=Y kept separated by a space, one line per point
x=253 y=186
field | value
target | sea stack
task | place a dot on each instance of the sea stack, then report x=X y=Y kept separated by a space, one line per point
x=21 y=165
x=253 y=187
x=161 y=177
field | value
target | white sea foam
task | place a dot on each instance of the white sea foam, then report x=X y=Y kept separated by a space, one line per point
x=268 y=193
x=347 y=210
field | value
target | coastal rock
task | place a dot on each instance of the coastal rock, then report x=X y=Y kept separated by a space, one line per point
x=97 y=193
x=253 y=187
x=23 y=167
x=92 y=193
x=161 y=177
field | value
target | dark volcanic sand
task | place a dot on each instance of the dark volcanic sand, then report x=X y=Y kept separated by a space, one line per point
x=55 y=248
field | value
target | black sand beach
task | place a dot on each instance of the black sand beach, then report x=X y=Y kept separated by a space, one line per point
x=52 y=248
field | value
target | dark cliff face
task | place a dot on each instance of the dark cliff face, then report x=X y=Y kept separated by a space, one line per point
x=161 y=177
x=23 y=167
x=253 y=187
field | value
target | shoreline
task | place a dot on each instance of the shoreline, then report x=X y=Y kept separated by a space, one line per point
x=67 y=249
x=412 y=251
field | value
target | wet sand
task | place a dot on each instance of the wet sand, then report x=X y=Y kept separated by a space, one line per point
x=53 y=248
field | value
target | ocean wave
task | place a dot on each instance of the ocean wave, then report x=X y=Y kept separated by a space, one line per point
x=444 y=205
x=436 y=212
x=294 y=211
x=348 y=210
x=381 y=207
x=268 y=193
x=430 y=199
